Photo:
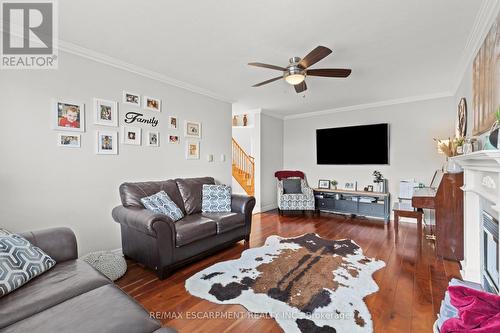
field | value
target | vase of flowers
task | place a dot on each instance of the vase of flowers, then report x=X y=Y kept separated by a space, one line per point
x=378 y=179
x=448 y=148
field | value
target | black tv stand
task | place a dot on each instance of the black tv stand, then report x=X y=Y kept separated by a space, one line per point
x=363 y=203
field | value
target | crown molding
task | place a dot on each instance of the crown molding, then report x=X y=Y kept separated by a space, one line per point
x=114 y=62
x=485 y=17
x=273 y=114
x=404 y=100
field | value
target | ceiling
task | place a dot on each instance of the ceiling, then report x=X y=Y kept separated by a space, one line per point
x=397 y=49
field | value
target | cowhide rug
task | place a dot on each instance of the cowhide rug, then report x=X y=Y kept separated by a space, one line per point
x=307 y=283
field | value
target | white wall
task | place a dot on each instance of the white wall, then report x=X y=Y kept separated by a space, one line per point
x=272 y=159
x=413 y=153
x=42 y=185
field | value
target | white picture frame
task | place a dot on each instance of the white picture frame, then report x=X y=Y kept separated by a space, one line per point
x=173 y=122
x=151 y=103
x=174 y=139
x=68 y=115
x=192 y=129
x=131 y=135
x=152 y=139
x=69 y=140
x=192 y=150
x=131 y=98
x=351 y=186
x=105 y=112
x=106 y=143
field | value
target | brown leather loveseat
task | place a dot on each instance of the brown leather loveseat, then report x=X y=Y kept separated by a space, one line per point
x=162 y=245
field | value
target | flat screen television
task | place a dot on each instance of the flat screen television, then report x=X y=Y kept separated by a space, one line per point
x=367 y=144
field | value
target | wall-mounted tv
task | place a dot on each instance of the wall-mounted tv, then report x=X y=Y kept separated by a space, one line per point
x=367 y=144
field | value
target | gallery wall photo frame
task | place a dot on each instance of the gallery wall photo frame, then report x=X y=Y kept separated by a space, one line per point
x=192 y=150
x=151 y=103
x=192 y=129
x=68 y=115
x=69 y=140
x=173 y=139
x=152 y=139
x=173 y=122
x=106 y=142
x=105 y=112
x=131 y=98
x=131 y=135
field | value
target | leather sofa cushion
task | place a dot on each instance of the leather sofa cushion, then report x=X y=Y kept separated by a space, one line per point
x=131 y=193
x=106 y=309
x=226 y=221
x=62 y=282
x=191 y=192
x=192 y=228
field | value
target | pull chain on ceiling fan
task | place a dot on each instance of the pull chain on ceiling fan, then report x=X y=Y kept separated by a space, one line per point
x=296 y=72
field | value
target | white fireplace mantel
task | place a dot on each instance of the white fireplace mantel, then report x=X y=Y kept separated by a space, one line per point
x=481 y=191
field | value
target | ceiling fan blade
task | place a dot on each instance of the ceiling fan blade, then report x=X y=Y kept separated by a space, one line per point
x=268 y=81
x=259 y=64
x=314 y=56
x=300 y=87
x=329 y=72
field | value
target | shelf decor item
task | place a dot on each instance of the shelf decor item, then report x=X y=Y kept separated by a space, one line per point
x=378 y=179
x=334 y=184
x=324 y=184
x=448 y=147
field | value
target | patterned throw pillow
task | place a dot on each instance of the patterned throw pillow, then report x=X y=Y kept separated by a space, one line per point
x=216 y=198
x=20 y=262
x=161 y=203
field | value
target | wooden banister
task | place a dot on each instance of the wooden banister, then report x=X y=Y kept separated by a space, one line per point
x=243 y=168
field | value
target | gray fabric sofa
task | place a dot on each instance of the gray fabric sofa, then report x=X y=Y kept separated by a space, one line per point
x=71 y=297
x=163 y=245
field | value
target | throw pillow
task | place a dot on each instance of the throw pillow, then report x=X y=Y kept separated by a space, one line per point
x=216 y=198
x=161 y=203
x=292 y=186
x=20 y=262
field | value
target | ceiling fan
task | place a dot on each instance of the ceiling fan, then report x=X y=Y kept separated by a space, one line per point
x=296 y=72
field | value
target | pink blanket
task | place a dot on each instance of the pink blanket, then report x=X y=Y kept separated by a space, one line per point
x=479 y=312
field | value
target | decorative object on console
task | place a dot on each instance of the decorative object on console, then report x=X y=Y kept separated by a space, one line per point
x=131 y=135
x=296 y=276
x=69 y=116
x=68 y=140
x=108 y=263
x=351 y=186
x=131 y=98
x=486 y=81
x=369 y=188
x=153 y=139
x=105 y=112
x=325 y=184
x=334 y=184
x=216 y=198
x=21 y=262
x=107 y=143
x=160 y=203
x=378 y=179
x=192 y=129
x=172 y=122
x=152 y=104
x=192 y=150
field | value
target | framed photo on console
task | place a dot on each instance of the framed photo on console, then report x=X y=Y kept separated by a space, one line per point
x=351 y=186
x=324 y=184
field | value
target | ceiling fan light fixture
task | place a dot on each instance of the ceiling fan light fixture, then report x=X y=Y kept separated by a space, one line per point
x=295 y=79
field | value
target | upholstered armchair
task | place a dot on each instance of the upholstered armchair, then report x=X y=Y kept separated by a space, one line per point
x=293 y=192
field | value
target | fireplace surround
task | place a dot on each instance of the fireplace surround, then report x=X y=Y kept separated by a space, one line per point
x=481 y=215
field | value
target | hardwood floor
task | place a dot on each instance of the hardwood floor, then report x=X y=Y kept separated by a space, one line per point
x=411 y=285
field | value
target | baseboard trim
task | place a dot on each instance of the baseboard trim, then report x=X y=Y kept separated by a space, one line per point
x=268 y=207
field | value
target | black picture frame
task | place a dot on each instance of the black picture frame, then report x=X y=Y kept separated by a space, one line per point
x=322 y=184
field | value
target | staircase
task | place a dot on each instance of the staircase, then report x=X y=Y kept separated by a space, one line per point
x=243 y=169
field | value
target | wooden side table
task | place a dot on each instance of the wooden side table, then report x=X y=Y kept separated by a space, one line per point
x=407 y=210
